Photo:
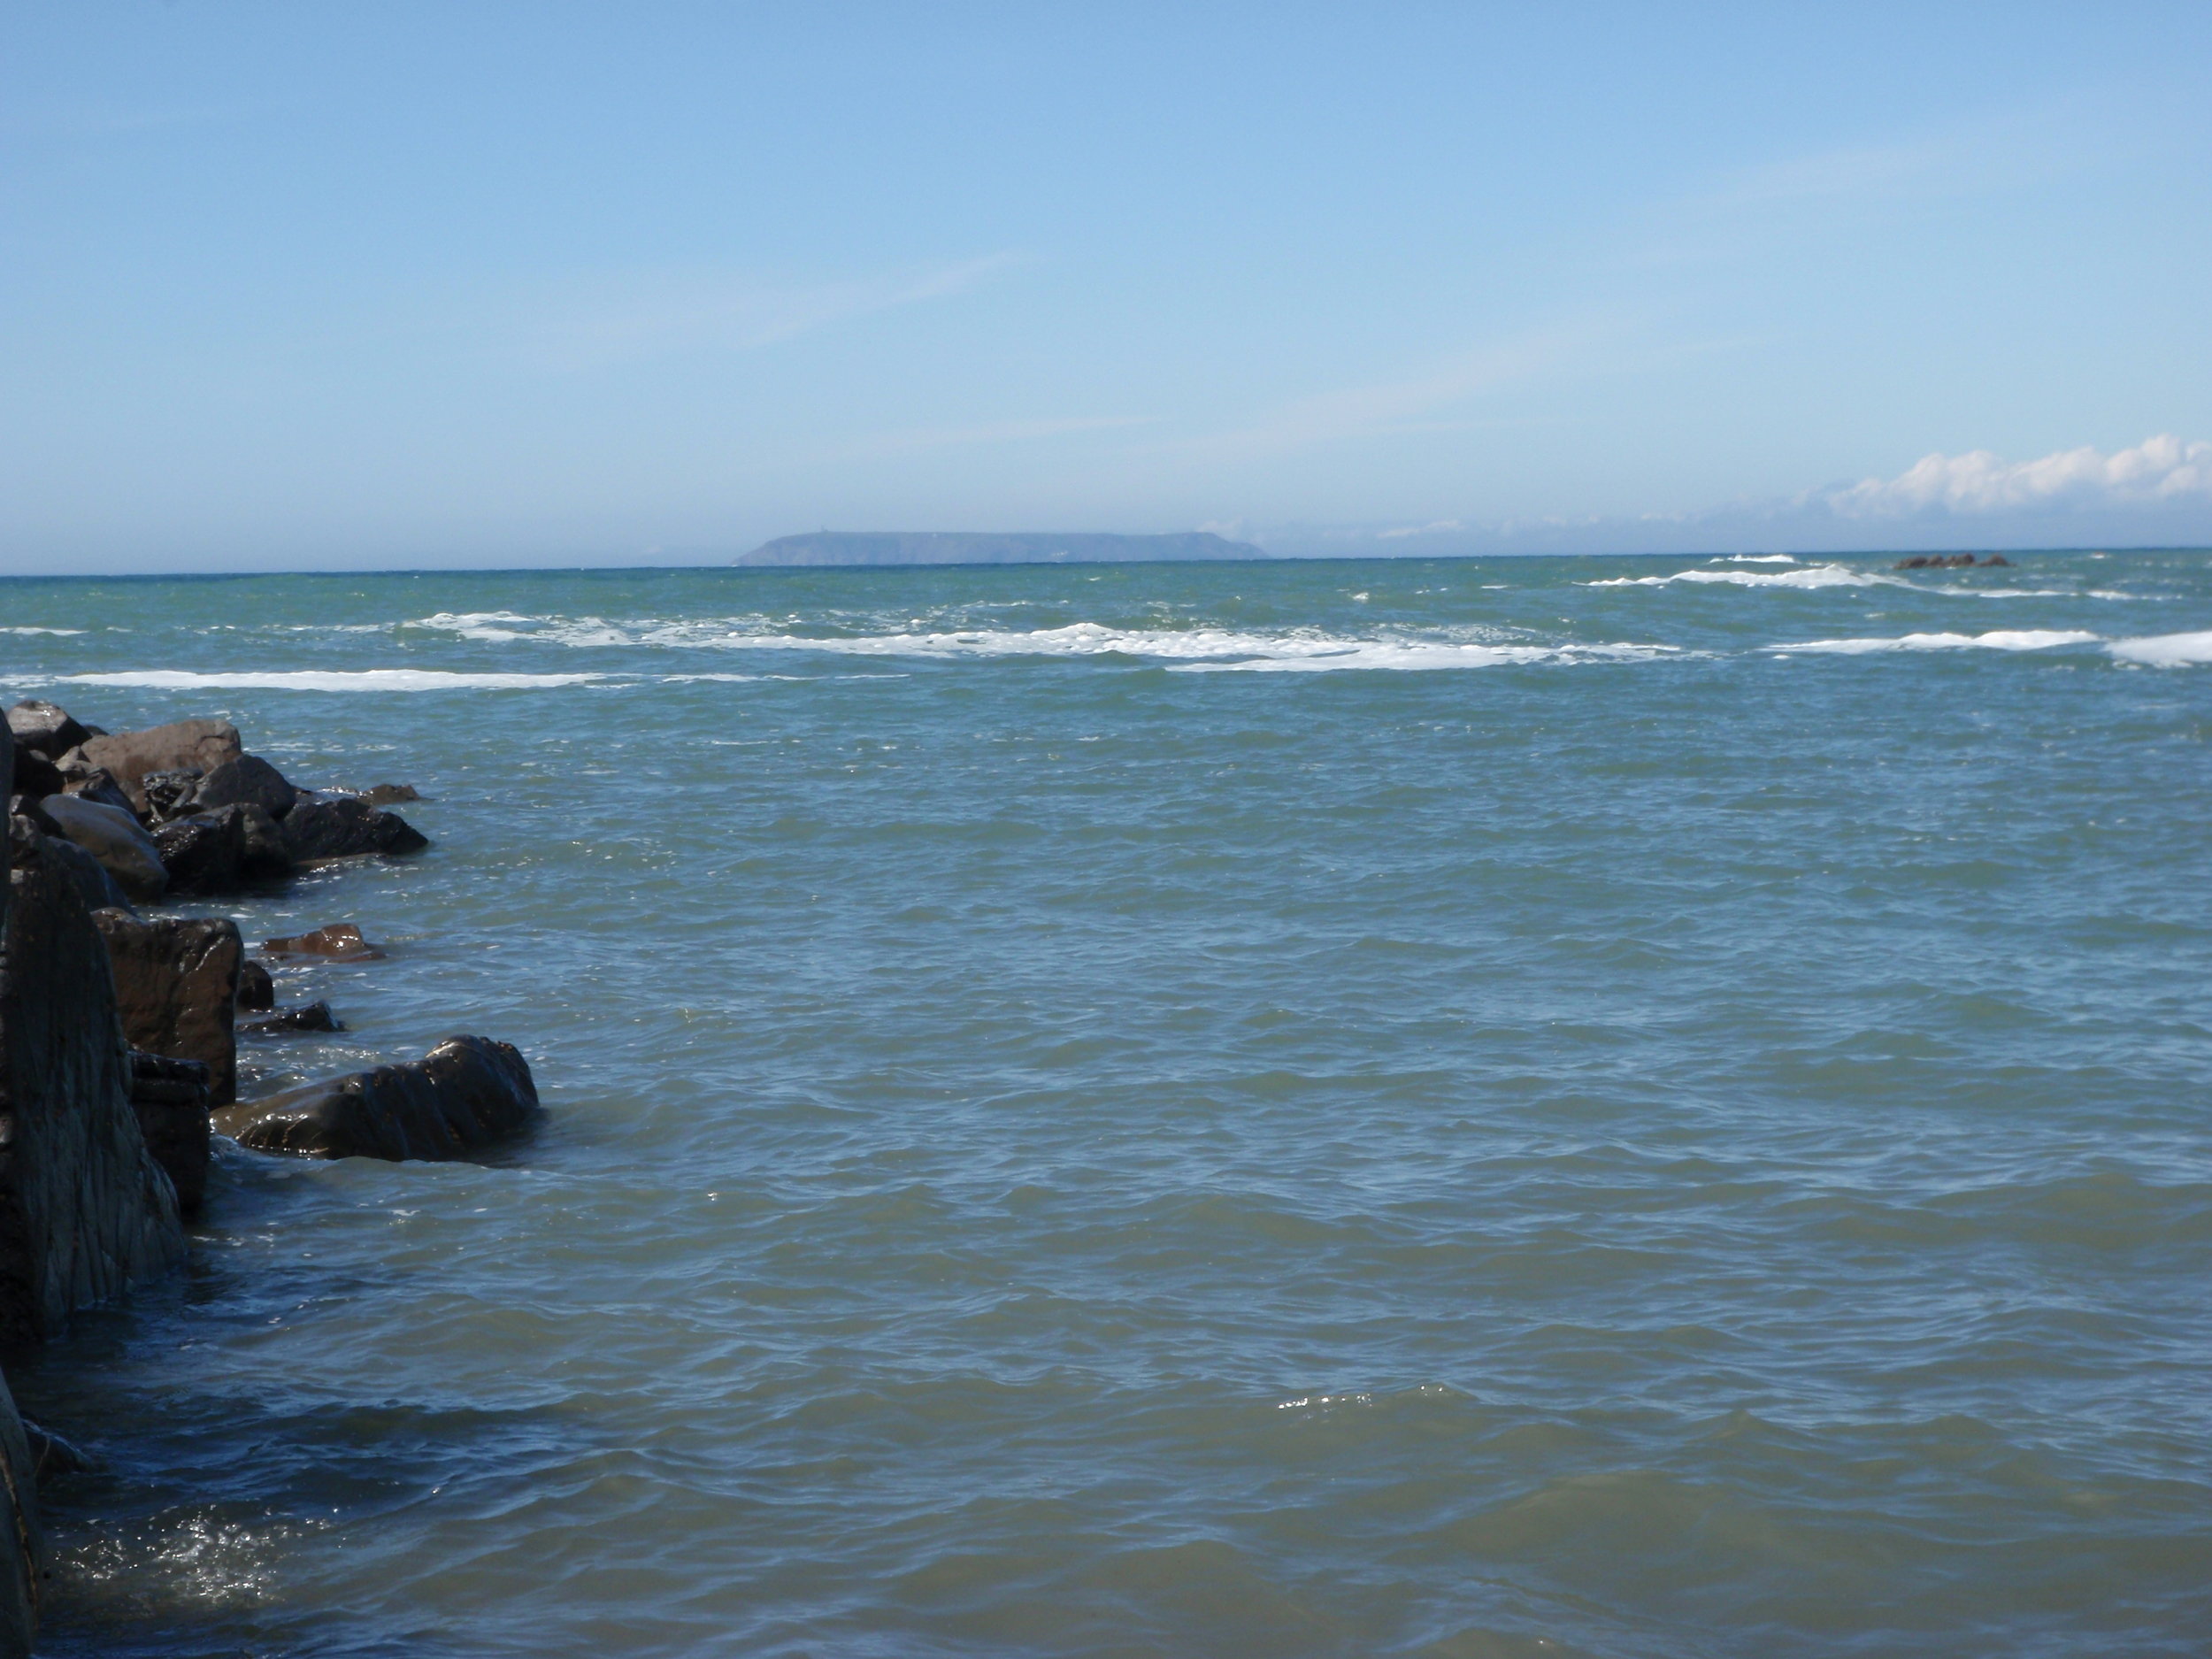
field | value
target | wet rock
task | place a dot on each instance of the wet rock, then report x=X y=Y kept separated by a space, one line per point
x=340 y=942
x=248 y=781
x=37 y=776
x=176 y=989
x=389 y=793
x=204 y=852
x=170 y=1098
x=199 y=745
x=44 y=728
x=99 y=787
x=94 y=886
x=84 y=1213
x=313 y=1017
x=256 y=992
x=113 y=837
x=320 y=830
x=466 y=1094
x=268 y=855
x=168 y=795
x=50 y=1454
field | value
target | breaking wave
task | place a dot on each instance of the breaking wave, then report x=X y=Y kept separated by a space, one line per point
x=2165 y=650
x=1999 y=640
x=1802 y=576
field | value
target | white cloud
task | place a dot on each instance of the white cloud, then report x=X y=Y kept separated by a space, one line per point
x=2164 y=469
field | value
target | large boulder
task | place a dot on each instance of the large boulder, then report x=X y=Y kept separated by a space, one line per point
x=467 y=1093
x=129 y=756
x=169 y=1097
x=37 y=776
x=222 y=850
x=248 y=781
x=84 y=1213
x=44 y=728
x=22 y=1546
x=317 y=831
x=176 y=989
x=115 y=839
x=256 y=992
x=94 y=886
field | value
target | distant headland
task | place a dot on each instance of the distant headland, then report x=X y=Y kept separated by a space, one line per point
x=963 y=546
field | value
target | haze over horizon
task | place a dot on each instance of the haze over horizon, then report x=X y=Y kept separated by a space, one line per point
x=419 y=287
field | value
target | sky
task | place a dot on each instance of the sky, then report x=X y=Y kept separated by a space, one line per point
x=477 y=284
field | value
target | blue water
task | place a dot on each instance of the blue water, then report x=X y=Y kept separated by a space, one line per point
x=1471 y=1110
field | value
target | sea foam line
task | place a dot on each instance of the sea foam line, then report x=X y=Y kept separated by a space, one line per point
x=1997 y=640
x=326 y=679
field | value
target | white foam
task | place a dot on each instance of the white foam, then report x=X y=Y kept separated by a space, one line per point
x=329 y=680
x=1758 y=559
x=2165 y=650
x=1803 y=576
x=1999 y=640
x=28 y=630
x=1409 y=656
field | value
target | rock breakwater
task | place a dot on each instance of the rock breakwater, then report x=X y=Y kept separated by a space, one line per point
x=119 y=1032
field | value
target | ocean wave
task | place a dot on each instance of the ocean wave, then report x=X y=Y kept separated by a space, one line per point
x=35 y=630
x=1803 y=576
x=1414 y=656
x=326 y=679
x=1998 y=640
x=2165 y=650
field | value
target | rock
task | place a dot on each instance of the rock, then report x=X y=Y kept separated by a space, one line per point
x=314 y=1017
x=94 y=886
x=84 y=1213
x=467 y=1093
x=50 y=1454
x=22 y=1546
x=388 y=794
x=201 y=745
x=170 y=1098
x=205 y=852
x=268 y=855
x=43 y=728
x=1997 y=558
x=340 y=942
x=176 y=989
x=248 y=781
x=114 y=837
x=320 y=830
x=37 y=776
x=256 y=992
x=168 y=795
x=99 y=787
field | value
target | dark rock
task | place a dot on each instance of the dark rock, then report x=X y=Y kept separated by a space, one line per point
x=204 y=853
x=256 y=992
x=248 y=781
x=314 y=1017
x=1997 y=558
x=201 y=745
x=176 y=989
x=94 y=886
x=467 y=1093
x=50 y=1454
x=168 y=794
x=37 y=776
x=100 y=788
x=27 y=806
x=268 y=856
x=116 y=839
x=340 y=942
x=43 y=728
x=84 y=1213
x=320 y=830
x=170 y=1098
x=389 y=794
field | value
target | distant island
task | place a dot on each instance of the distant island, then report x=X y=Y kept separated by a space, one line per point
x=963 y=546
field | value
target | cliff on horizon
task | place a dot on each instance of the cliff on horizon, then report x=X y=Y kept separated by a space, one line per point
x=961 y=546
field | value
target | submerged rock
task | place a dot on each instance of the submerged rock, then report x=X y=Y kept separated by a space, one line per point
x=198 y=745
x=176 y=988
x=388 y=794
x=256 y=992
x=314 y=1017
x=466 y=1094
x=170 y=1097
x=347 y=828
x=115 y=839
x=340 y=942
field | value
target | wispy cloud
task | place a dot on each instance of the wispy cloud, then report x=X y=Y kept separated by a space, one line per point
x=651 y=314
x=2161 y=470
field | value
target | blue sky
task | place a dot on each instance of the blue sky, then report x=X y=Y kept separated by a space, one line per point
x=477 y=284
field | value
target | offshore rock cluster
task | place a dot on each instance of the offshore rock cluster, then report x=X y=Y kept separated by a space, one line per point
x=118 y=1031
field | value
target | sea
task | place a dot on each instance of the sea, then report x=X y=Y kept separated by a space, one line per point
x=1650 y=1108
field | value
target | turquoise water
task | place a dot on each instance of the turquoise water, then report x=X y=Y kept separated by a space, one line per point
x=1471 y=1109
